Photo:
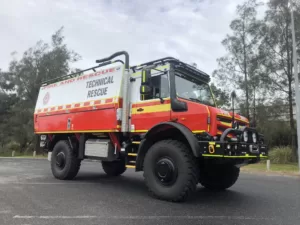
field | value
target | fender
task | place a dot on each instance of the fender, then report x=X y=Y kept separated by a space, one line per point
x=151 y=136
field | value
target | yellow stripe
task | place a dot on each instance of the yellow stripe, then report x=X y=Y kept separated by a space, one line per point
x=208 y=112
x=235 y=156
x=75 y=131
x=136 y=142
x=212 y=155
x=152 y=109
x=230 y=117
x=226 y=124
x=198 y=131
x=132 y=154
x=140 y=131
x=130 y=166
x=144 y=76
x=151 y=100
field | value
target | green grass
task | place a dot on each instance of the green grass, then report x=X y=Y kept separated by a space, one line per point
x=277 y=168
x=21 y=155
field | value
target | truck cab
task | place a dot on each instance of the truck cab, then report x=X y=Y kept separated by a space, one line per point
x=159 y=117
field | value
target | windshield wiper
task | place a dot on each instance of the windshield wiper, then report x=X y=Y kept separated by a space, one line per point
x=195 y=99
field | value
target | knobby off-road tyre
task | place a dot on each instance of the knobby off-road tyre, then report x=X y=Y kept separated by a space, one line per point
x=114 y=168
x=170 y=171
x=218 y=177
x=64 y=163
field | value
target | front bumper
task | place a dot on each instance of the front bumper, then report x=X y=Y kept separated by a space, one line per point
x=230 y=148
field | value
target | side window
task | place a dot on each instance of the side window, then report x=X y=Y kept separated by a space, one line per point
x=160 y=87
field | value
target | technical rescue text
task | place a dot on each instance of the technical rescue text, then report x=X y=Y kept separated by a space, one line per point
x=99 y=91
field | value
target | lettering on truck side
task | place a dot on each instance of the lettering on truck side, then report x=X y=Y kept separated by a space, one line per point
x=96 y=83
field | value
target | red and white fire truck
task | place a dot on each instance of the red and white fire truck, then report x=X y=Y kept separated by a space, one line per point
x=159 y=117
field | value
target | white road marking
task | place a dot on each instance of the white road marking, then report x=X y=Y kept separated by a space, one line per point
x=45 y=183
x=143 y=217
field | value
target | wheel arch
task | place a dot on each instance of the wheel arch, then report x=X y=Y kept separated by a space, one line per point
x=59 y=137
x=162 y=131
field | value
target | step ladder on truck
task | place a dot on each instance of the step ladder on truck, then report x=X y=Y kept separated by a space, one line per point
x=158 y=117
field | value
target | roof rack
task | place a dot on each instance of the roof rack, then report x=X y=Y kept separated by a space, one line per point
x=178 y=65
x=76 y=74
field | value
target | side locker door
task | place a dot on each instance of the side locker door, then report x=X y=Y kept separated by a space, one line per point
x=152 y=110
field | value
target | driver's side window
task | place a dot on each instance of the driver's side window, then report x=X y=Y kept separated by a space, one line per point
x=160 y=88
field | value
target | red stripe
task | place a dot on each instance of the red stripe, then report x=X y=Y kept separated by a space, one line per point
x=109 y=100
x=87 y=108
x=86 y=104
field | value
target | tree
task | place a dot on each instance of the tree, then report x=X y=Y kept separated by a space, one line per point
x=25 y=76
x=276 y=51
x=240 y=63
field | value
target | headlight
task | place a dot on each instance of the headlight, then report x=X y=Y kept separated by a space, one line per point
x=254 y=137
x=245 y=136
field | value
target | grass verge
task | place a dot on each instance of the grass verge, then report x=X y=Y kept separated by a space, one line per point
x=289 y=169
x=21 y=155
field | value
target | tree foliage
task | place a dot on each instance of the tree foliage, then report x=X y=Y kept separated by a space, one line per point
x=20 y=85
x=276 y=51
x=239 y=67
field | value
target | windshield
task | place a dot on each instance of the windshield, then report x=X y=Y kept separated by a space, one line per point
x=193 y=90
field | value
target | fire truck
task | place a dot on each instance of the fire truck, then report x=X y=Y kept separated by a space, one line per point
x=158 y=117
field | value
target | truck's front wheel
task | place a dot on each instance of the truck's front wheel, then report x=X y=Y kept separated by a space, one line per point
x=64 y=163
x=114 y=168
x=170 y=170
x=218 y=177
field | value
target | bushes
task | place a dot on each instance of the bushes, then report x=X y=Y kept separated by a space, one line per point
x=282 y=155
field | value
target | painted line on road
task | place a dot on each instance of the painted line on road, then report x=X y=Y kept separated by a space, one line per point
x=142 y=217
x=44 y=183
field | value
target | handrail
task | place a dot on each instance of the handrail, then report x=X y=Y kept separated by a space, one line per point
x=81 y=71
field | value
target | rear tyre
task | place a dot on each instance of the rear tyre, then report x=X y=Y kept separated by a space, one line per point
x=64 y=163
x=218 y=177
x=170 y=171
x=114 y=168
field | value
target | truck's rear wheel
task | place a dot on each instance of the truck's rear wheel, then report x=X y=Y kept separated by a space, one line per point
x=170 y=170
x=64 y=163
x=218 y=177
x=114 y=168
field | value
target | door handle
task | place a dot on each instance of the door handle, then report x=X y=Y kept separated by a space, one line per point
x=140 y=109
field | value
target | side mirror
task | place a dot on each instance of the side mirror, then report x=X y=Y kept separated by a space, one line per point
x=146 y=77
x=145 y=90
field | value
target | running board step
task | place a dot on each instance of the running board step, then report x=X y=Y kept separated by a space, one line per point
x=130 y=166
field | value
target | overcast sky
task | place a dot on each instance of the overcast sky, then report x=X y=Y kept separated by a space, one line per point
x=188 y=30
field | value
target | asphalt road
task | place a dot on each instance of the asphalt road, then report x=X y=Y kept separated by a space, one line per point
x=30 y=195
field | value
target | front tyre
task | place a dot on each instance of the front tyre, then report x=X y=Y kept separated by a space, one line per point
x=64 y=163
x=114 y=168
x=218 y=177
x=170 y=170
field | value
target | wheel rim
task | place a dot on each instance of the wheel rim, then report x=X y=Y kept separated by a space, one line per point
x=166 y=171
x=60 y=160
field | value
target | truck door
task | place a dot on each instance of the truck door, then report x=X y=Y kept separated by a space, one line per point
x=147 y=111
